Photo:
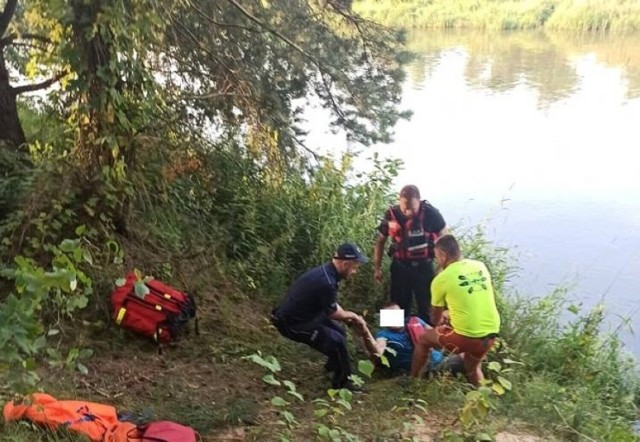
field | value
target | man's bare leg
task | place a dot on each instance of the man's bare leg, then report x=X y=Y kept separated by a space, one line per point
x=472 y=369
x=421 y=351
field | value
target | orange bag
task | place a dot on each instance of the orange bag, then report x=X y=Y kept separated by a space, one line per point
x=97 y=421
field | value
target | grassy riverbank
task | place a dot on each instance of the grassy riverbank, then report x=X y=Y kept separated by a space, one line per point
x=565 y=380
x=566 y=15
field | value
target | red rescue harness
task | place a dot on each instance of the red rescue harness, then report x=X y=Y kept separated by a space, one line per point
x=409 y=239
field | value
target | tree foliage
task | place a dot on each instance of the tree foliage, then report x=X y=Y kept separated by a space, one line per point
x=136 y=76
x=182 y=121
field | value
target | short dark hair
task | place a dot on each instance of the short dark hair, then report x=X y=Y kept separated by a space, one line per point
x=410 y=192
x=449 y=245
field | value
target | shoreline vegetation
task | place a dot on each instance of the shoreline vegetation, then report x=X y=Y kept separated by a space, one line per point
x=611 y=16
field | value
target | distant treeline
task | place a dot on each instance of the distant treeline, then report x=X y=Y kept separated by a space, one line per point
x=566 y=15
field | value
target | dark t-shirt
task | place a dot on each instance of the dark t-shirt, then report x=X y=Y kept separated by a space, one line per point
x=313 y=294
x=433 y=220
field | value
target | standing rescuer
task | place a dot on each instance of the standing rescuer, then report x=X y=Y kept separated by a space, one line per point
x=310 y=311
x=413 y=226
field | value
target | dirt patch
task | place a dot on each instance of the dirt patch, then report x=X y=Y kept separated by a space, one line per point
x=232 y=434
x=517 y=437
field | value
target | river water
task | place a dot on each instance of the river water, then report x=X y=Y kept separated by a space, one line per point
x=537 y=136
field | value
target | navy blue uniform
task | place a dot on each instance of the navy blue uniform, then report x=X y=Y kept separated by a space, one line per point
x=303 y=316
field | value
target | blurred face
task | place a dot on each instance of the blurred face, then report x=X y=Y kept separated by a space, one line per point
x=409 y=207
x=394 y=307
x=347 y=268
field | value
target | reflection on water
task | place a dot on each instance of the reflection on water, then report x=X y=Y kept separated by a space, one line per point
x=547 y=123
x=501 y=61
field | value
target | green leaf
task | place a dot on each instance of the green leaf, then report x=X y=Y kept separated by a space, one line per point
x=72 y=356
x=141 y=289
x=297 y=395
x=320 y=413
x=504 y=382
x=385 y=361
x=120 y=282
x=271 y=380
x=81 y=229
x=290 y=385
x=332 y=392
x=391 y=351
x=483 y=437
x=365 y=367
x=85 y=353
x=53 y=332
x=269 y=363
x=357 y=380
x=78 y=302
x=274 y=365
x=87 y=257
x=499 y=389
x=82 y=368
x=573 y=309
x=69 y=245
x=473 y=395
x=345 y=395
x=279 y=402
x=288 y=416
x=495 y=366
x=511 y=361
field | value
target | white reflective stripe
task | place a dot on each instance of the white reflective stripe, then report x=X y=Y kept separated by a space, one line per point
x=418 y=247
x=324 y=269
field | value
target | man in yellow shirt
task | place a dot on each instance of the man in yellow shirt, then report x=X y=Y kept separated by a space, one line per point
x=464 y=287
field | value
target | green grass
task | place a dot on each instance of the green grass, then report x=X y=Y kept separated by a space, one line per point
x=568 y=15
x=204 y=383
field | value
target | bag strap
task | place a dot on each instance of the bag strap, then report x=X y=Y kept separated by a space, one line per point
x=143 y=437
x=155 y=439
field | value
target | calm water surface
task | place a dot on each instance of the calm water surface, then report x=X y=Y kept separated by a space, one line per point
x=539 y=136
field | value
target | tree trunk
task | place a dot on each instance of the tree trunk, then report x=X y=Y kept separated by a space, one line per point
x=10 y=128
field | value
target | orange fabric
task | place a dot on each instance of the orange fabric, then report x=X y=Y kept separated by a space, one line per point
x=97 y=421
x=124 y=432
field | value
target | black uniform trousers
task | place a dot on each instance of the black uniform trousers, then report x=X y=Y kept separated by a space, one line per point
x=326 y=336
x=412 y=279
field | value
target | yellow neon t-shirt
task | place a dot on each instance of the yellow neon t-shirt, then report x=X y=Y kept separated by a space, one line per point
x=465 y=288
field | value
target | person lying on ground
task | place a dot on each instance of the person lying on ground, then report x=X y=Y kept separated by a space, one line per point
x=464 y=286
x=309 y=312
x=399 y=341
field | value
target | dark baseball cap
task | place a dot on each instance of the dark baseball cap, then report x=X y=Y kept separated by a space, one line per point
x=349 y=251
